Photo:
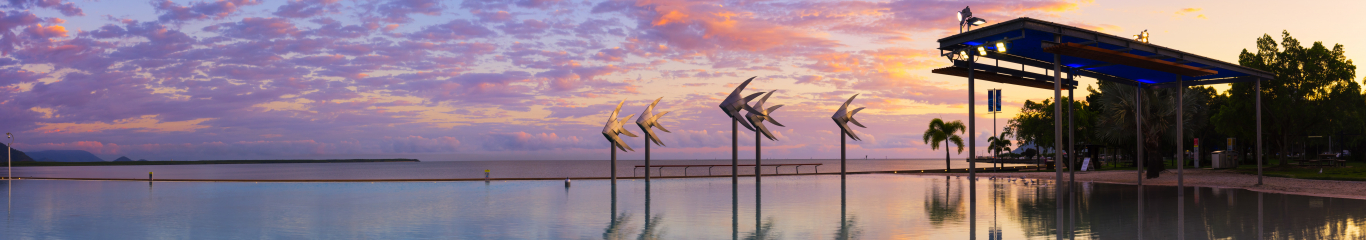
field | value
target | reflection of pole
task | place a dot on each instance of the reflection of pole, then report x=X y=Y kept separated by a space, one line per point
x=734 y=179
x=1259 y=216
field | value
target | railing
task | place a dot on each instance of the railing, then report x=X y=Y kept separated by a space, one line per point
x=795 y=167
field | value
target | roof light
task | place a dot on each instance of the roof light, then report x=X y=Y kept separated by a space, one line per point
x=1142 y=37
x=981 y=51
x=1001 y=47
x=975 y=21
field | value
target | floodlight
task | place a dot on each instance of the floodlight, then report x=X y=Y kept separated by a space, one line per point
x=960 y=17
x=976 y=21
x=1001 y=47
x=982 y=51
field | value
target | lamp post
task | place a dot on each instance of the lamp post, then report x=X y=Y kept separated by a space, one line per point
x=9 y=156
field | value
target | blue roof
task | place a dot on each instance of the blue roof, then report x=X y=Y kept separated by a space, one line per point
x=1026 y=38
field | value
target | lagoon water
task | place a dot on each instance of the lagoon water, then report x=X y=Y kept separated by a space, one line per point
x=460 y=169
x=876 y=206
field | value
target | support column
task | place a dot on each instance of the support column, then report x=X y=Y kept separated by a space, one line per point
x=1071 y=156
x=647 y=177
x=1057 y=135
x=972 y=145
x=1180 y=159
x=1259 y=131
x=1139 y=161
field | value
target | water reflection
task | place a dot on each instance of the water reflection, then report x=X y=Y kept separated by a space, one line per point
x=763 y=232
x=887 y=206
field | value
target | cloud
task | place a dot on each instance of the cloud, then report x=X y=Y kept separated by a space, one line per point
x=398 y=11
x=307 y=8
x=66 y=8
x=173 y=12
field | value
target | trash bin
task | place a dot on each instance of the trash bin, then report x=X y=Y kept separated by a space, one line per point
x=1216 y=160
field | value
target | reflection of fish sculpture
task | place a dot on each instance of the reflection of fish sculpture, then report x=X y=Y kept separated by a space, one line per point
x=844 y=116
x=614 y=127
x=734 y=103
x=759 y=115
x=648 y=119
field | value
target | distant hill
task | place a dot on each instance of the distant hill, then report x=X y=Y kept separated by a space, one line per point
x=19 y=156
x=123 y=159
x=64 y=156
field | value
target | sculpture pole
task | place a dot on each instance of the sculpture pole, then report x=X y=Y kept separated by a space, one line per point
x=734 y=179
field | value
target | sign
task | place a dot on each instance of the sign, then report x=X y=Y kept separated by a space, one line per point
x=1085 y=164
x=998 y=100
x=991 y=96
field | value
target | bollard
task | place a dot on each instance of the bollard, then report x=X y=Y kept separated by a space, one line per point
x=486 y=175
x=149 y=176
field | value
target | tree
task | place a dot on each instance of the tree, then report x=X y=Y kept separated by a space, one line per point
x=1159 y=114
x=945 y=132
x=1309 y=81
x=998 y=144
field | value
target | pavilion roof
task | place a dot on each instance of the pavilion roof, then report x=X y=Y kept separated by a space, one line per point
x=1031 y=42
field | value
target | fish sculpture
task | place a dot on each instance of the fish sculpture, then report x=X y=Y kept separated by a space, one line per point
x=843 y=117
x=614 y=127
x=734 y=103
x=759 y=115
x=648 y=119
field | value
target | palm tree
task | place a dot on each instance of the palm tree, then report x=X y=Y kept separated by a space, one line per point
x=1159 y=113
x=941 y=131
x=999 y=144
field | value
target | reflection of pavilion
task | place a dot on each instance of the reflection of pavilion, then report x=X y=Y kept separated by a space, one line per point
x=1022 y=46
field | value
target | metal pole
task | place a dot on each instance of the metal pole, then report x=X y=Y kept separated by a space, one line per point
x=1259 y=131
x=734 y=179
x=758 y=202
x=1057 y=134
x=614 y=180
x=1071 y=157
x=1180 y=159
x=647 y=177
x=972 y=145
x=1139 y=161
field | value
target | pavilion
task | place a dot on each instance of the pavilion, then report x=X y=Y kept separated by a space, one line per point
x=1023 y=43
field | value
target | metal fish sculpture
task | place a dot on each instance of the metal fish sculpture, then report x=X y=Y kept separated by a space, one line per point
x=760 y=115
x=734 y=103
x=843 y=117
x=648 y=119
x=614 y=127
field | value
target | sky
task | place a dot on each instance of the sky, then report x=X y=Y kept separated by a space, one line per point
x=536 y=79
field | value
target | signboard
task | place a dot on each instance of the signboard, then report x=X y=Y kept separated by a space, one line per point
x=998 y=100
x=991 y=96
x=1085 y=164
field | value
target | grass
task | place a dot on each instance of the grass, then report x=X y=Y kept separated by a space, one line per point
x=28 y=164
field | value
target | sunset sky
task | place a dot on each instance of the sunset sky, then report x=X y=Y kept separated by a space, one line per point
x=536 y=79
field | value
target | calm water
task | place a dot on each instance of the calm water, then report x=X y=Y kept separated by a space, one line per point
x=875 y=206
x=460 y=169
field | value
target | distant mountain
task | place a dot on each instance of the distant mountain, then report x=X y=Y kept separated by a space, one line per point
x=123 y=159
x=64 y=156
x=19 y=156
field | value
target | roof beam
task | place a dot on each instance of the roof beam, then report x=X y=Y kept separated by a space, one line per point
x=1106 y=55
x=996 y=77
x=1206 y=82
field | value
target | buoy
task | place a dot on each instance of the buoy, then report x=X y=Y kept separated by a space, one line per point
x=149 y=176
x=486 y=175
x=566 y=182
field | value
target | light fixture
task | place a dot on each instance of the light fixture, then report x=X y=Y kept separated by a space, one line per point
x=1001 y=47
x=975 y=21
x=965 y=19
x=1142 y=36
x=982 y=51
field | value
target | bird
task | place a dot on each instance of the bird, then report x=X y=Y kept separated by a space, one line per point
x=843 y=117
x=614 y=127
x=734 y=103
x=760 y=115
x=648 y=119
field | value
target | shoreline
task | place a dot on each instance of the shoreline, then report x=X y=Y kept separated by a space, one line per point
x=1223 y=178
